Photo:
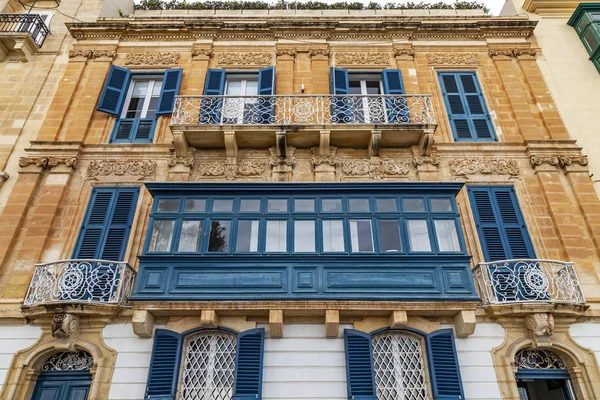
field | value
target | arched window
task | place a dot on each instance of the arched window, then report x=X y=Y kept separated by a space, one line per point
x=399 y=366
x=209 y=366
x=541 y=374
x=69 y=361
x=65 y=375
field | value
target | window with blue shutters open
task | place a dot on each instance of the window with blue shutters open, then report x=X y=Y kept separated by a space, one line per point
x=226 y=364
x=466 y=107
x=368 y=97
x=137 y=99
x=391 y=365
x=238 y=98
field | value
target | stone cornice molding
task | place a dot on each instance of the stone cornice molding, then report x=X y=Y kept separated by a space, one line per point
x=152 y=59
x=144 y=169
x=484 y=166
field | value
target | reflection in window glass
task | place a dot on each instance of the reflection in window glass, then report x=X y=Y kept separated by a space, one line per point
x=168 y=205
x=389 y=235
x=418 y=235
x=277 y=205
x=162 y=235
x=190 y=236
x=333 y=235
x=250 y=205
x=441 y=205
x=276 y=236
x=331 y=205
x=195 y=205
x=359 y=205
x=304 y=205
x=219 y=236
x=247 y=236
x=304 y=236
x=361 y=235
x=223 y=205
x=447 y=237
x=386 y=205
x=413 y=205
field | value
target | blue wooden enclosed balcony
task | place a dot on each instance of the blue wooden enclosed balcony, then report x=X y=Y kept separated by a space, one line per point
x=284 y=241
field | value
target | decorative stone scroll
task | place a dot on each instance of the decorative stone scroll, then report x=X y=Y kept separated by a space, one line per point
x=245 y=58
x=376 y=168
x=408 y=53
x=453 y=58
x=286 y=52
x=48 y=162
x=318 y=52
x=484 y=166
x=289 y=161
x=557 y=161
x=232 y=170
x=201 y=52
x=143 y=168
x=512 y=52
x=152 y=59
x=65 y=326
x=539 y=325
x=420 y=160
x=319 y=160
x=362 y=58
x=187 y=161
x=92 y=53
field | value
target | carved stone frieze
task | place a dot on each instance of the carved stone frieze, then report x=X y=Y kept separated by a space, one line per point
x=104 y=53
x=245 y=58
x=512 y=52
x=250 y=167
x=484 y=166
x=420 y=160
x=453 y=58
x=507 y=52
x=143 y=168
x=525 y=52
x=396 y=167
x=48 y=162
x=318 y=52
x=539 y=325
x=85 y=53
x=362 y=58
x=231 y=170
x=286 y=52
x=151 y=58
x=375 y=167
x=65 y=326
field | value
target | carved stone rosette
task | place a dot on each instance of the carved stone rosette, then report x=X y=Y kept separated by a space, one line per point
x=65 y=326
x=539 y=325
x=421 y=160
x=232 y=170
x=143 y=168
x=318 y=160
x=453 y=58
x=375 y=167
x=245 y=58
x=152 y=59
x=362 y=58
x=484 y=166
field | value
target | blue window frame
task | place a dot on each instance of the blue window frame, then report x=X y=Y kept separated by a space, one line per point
x=137 y=99
x=236 y=223
x=466 y=107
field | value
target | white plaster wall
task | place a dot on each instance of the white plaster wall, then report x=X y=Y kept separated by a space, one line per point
x=304 y=364
x=133 y=360
x=587 y=334
x=12 y=340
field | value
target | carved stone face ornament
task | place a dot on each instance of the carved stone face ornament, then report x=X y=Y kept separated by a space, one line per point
x=539 y=325
x=65 y=326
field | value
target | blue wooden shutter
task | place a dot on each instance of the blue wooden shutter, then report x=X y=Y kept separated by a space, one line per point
x=397 y=107
x=115 y=90
x=144 y=131
x=210 y=109
x=443 y=366
x=164 y=365
x=249 y=365
x=266 y=87
x=339 y=81
x=340 y=113
x=106 y=226
x=466 y=107
x=359 y=365
x=170 y=89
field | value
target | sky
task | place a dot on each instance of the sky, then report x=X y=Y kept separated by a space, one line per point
x=494 y=5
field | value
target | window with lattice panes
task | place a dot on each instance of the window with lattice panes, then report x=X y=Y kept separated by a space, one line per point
x=208 y=366
x=399 y=366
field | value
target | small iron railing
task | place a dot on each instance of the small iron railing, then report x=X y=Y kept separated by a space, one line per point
x=303 y=110
x=81 y=281
x=25 y=23
x=528 y=281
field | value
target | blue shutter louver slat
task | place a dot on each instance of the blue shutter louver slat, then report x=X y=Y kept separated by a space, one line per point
x=210 y=109
x=170 y=89
x=120 y=224
x=115 y=89
x=89 y=244
x=359 y=365
x=266 y=87
x=339 y=84
x=249 y=365
x=144 y=131
x=92 y=230
x=443 y=364
x=124 y=128
x=164 y=365
x=398 y=111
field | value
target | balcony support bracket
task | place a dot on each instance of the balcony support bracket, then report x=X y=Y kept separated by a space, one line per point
x=209 y=319
x=180 y=143
x=426 y=142
x=281 y=144
x=374 y=143
x=464 y=323
x=398 y=319
x=332 y=323
x=276 y=323
x=324 y=139
x=143 y=323
x=231 y=146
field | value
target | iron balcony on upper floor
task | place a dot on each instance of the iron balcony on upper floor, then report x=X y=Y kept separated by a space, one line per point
x=351 y=120
x=21 y=34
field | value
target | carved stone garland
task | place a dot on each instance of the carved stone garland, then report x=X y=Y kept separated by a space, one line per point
x=376 y=168
x=245 y=58
x=362 y=58
x=484 y=166
x=231 y=170
x=152 y=59
x=453 y=58
x=142 y=168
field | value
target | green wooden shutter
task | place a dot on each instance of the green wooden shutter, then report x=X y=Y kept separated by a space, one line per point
x=115 y=90
x=446 y=381
x=170 y=89
x=359 y=365
x=164 y=365
x=249 y=365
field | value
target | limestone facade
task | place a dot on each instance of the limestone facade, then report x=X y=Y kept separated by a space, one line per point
x=57 y=150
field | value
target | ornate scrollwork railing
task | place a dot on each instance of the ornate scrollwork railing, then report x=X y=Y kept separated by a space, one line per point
x=25 y=23
x=303 y=110
x=81 y=281
x=528 y=281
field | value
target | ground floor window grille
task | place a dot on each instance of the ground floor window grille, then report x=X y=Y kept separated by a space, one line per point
x=69 y=361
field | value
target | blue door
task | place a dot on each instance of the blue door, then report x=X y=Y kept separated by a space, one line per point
x=63 y=385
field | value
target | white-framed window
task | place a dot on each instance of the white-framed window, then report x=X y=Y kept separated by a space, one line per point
x=368 y=109
x=142 y=97
x=239 y=109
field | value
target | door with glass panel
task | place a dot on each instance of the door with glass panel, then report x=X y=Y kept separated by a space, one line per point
x=368 y=106
x=237 y=108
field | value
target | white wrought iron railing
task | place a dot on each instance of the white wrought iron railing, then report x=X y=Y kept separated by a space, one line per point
x=528 y=281
x=303 y=110
x=81 y=281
